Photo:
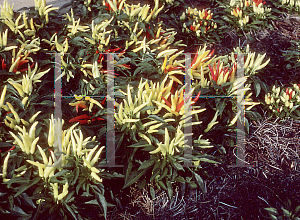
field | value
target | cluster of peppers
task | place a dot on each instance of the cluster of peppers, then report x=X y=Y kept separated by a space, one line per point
x=85 y=118
x=19 y=65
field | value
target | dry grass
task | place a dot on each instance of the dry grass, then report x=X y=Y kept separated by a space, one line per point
x=275 y=144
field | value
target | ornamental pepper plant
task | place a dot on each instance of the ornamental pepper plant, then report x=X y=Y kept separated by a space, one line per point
x=124 y=71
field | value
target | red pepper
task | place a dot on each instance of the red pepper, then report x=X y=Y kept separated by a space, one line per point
x=226 y=70
x=19 y=65
x=3 y=64
x=174 y=87
x=81 y=106
x=218 y=68
x=233 y=68
x=25 y=69
x=12 y=148
x=121 y=53
x=148 y=35
x=212 y=73
x=211 y=53
x=100 y=58
x=178 y=107
x=112 y=50
x=194 y=60
x=112 y=73
x=206 y=14
x=127 y=66
x=103 y=101
x=167 y=102
x=108 y=6
x=182 y=102
x=197 y=97
x=175 y=68
x=83 y=119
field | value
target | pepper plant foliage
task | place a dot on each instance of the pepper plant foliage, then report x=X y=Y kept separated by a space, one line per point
x=42 y=176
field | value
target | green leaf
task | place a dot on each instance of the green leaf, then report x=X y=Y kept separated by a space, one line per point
x=46 y=103
x=11 y=202
x=61 y=173
x=19 y=212
x=147 y=108
x=140 y=144
x=123 y=61
x=286 y=213
x=156 y=118
x=80 y=182
x=55 y=180
x=199 y=181
x=102 y=202
x=221 y=106
x=152 y=193
x=25 y=187
x=18 y=102
x=169 y=190
x=27 y=200
x=92 y=202
x=76 y=174
x=2 y=194
x=257 y=22
x=161 y=184
x=119 y=95
x=294 y=107
x=122 y=17
x=137 y=70
x=128 y=170
x=272 y=210
x=141 y=183
x=180 y=179
x=207 y=160
x=177 y=165
x=102 y=17
x=146 y=164
x=246 y=125
x=70 y=210
x=133 y=177
x=149 y=148
x=81 y=52
x=297 y=209
x=77 y=40
x=69 y=197
x=257 y=88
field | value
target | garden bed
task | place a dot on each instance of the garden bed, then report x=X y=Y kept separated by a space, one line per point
x=125 y=149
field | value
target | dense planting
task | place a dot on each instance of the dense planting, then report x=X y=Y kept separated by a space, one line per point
x=178 y=96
